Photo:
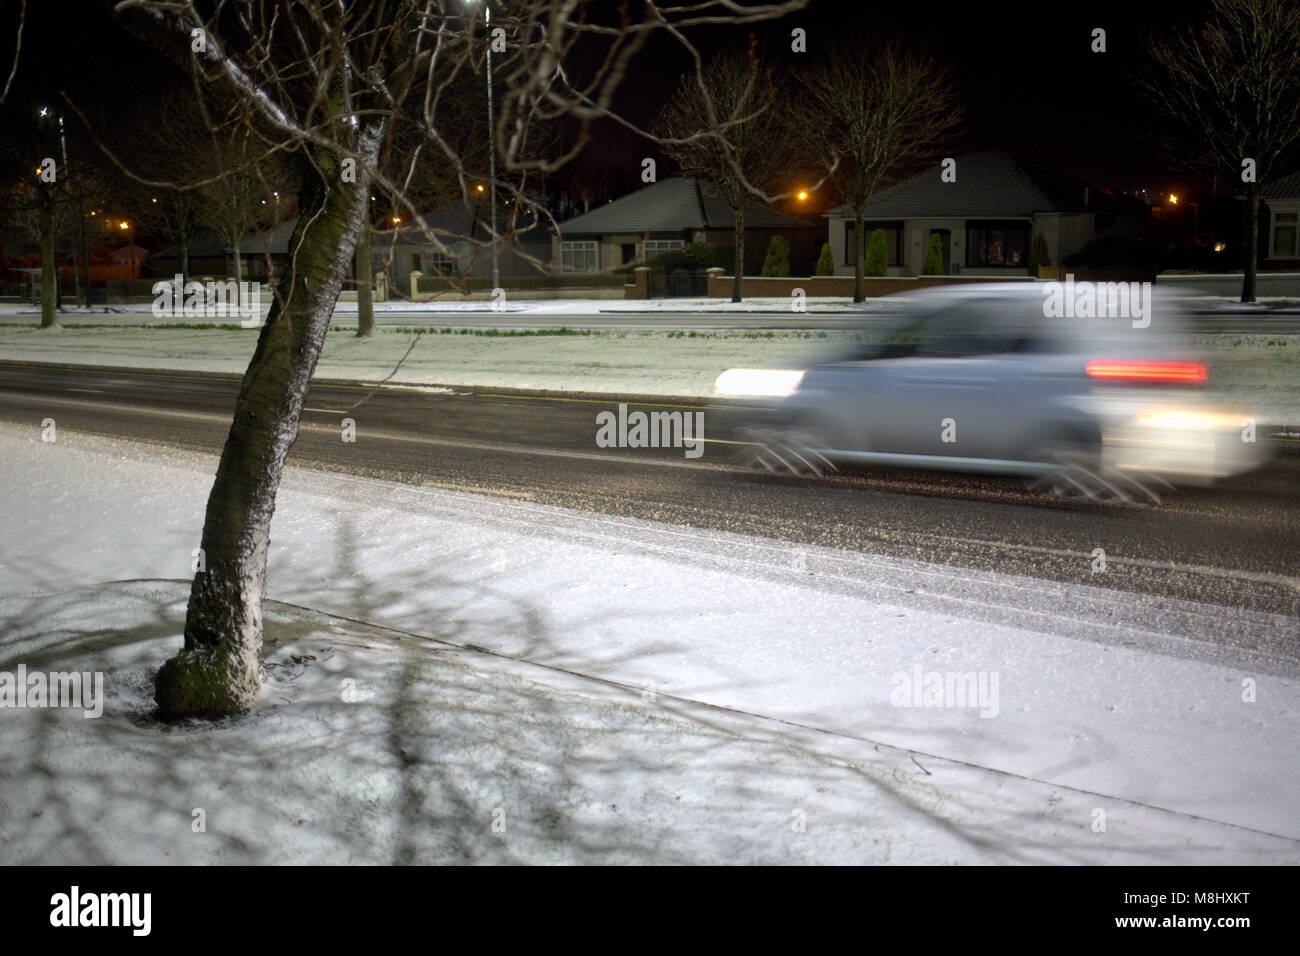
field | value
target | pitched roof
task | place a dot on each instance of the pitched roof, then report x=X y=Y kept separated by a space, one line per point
x=1288 y=187
x=273 y=241
x=673 y=205
x=206 y=244
x=991 y=184
x=453 y=219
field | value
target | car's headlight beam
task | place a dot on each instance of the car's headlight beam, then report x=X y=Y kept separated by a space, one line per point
x=758 y=382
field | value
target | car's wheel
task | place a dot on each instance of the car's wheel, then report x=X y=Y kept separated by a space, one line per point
x=789 y=449
x=1077 y=472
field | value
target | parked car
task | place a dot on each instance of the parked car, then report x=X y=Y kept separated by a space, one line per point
x=990 y=378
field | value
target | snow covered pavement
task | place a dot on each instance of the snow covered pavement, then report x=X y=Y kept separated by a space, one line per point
x=651 y=692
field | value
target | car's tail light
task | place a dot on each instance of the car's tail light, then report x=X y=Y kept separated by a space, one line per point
x=1147 y=370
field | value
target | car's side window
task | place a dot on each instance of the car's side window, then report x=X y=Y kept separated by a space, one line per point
x=977 y=327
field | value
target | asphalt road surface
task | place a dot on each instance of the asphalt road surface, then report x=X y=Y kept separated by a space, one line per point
x=1235 y=545
x=1277 y=322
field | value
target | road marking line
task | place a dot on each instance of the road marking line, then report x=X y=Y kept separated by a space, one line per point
x=586 y=401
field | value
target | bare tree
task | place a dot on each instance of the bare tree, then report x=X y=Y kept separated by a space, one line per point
x=331 y=81
x=722 y=127
x=39 y=216
x=39 y=201
x=175 y=144
x=242 y=188
x=1229 y=91
x=879 y=107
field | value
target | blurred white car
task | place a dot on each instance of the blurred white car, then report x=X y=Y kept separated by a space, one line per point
x=989 y=378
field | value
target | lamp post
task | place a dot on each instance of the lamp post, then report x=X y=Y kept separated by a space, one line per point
x=76 y=261
x=492 y=152
x=130 y=245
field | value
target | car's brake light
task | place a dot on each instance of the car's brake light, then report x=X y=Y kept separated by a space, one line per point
x=1146 y=370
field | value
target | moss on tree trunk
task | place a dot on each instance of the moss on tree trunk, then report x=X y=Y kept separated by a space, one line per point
x=219 y=671
x=365 y=299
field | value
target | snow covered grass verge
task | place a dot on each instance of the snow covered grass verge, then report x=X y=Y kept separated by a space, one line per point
x=598 y=681
x=379 y=747
x=629 y=362
x=1262 y=370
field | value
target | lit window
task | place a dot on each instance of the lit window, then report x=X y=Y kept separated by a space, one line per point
x=580 y=256
x=997 y=244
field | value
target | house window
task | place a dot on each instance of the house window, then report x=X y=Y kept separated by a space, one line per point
x=1285 y=245
x=893 y=240
x=434 y=262
x=997 y=244
x=657 y=247
x=580 y=256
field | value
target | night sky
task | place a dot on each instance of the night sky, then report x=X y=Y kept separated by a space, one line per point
x=1028 y=78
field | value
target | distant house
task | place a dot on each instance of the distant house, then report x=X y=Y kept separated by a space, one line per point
x=463 y=231
x=986 y=218
x=208 y=255
x=665 y=217
x=270 y=244
x=1279 y=247
x=129 y=256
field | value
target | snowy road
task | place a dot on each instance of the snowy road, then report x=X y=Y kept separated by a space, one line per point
x=1234 y=545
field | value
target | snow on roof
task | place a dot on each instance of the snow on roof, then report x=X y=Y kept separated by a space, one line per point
x=675 y=205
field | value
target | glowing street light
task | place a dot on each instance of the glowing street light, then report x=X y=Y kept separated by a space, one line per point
x=803 y=194
x=1173 y=200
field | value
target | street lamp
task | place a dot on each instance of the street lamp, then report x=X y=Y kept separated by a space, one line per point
x=492 y=152
x=76 y=265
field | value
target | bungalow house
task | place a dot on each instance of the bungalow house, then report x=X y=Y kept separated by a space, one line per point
x=1279 y=247
x=208 y=255
x=986 y=218
x=664 y=217
x=463 y=249
x=272 y=244
x=131 y=257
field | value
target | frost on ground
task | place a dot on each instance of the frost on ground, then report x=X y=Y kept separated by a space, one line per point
x=1260 y=370
x=374 y=747
x=653 y=693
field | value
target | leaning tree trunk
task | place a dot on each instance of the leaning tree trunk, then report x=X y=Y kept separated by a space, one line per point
x=738 y=280
x=365 y=299
x=1252 y=245
x=219 y=670
x=49 y=275
x=859 y=258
